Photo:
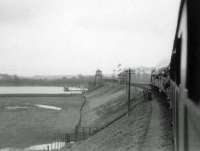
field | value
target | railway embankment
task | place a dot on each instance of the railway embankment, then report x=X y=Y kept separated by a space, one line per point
x=127 y=133
x=105 y=105
x=146 y=128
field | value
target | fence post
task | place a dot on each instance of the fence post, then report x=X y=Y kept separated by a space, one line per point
x=67 y=138
x=76 y=133
x=83 y=135
x=90 y=131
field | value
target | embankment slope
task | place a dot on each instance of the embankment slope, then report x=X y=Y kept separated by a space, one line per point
x=146 y=128
x=105 y=105
x=125 y=134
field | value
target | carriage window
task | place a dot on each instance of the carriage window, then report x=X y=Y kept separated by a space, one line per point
x=172 y=66
x=193 y=69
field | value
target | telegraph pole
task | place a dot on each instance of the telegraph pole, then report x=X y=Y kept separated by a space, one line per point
x=129 y=90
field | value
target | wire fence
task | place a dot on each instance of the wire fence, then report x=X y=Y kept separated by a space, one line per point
x=66 y=140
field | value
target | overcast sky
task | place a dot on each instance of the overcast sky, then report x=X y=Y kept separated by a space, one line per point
x=52 y=37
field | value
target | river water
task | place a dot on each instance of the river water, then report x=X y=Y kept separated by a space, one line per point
x=38 y=90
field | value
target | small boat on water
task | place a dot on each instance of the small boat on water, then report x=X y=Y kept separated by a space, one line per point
x=66 y=89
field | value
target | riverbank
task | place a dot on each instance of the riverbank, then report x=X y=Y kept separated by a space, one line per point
x=101 y=108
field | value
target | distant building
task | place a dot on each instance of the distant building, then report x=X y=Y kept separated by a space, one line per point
x=98 y=77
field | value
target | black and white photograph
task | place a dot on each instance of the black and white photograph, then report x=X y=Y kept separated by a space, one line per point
x=99 y=75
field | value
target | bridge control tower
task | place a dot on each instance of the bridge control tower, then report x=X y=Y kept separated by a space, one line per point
x=98 y=77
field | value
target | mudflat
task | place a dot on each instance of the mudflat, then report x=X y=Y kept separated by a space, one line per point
x=25 y=121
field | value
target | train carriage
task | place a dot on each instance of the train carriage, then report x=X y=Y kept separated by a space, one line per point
x=183 y=88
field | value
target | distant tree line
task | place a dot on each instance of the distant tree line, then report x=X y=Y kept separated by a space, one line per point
x=14 y=80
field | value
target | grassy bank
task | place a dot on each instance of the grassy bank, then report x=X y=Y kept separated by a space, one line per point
x=127 y=133
x=29 y=126
x=107 y=104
